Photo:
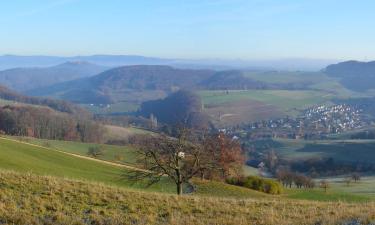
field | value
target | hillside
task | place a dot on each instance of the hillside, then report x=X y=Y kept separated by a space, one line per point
x=126 y=84
x=354 y=75
x=148 y=82
x=25 y=79
x=26 y=158
x=32 y=199
x=13 y=97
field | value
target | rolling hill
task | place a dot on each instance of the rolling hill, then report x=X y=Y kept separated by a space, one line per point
x=43 y=185
x=35 y=199
x=126 y=83
x=29 y=158
x=147 y=82
x=354 y=75
x=10 y=97
x=24 y=79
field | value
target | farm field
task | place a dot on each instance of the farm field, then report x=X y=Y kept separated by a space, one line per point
x=126 y=101
x=120 y=133
x=119 y=107
x=288 y=77
x=361 y=191
x=311 y=80
x=255 y=105
x=340 y=150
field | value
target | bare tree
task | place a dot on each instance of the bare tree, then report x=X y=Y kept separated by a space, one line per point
x=271 y=159
x=161 y=156
x=356 y=177
x=325 y=185
x=180 y=159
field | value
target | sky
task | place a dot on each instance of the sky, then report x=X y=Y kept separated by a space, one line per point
x=195 y=29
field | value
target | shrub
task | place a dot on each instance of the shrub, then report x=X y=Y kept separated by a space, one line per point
x=257 y=183
x=95 y=151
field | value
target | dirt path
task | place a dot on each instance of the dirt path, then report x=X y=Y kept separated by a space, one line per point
x=79 y=156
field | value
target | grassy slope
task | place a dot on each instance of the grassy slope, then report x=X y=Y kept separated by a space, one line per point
x=121 y=154
x=21 y=157
x=25 y=158
x=31 y=199
x=123 y=133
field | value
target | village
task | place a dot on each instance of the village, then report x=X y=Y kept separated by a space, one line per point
x=313 y=123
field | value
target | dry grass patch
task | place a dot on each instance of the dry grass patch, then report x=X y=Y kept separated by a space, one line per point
x=32 y=199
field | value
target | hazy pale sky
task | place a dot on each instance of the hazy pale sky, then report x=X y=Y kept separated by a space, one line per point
x=228 y=29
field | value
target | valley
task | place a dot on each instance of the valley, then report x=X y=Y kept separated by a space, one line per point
x=187 y=112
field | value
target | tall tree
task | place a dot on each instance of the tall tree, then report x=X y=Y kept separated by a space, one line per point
x=180 y=159
x=163 y=156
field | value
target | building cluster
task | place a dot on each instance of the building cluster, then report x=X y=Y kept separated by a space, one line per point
x=313 y=123
x=336 y=118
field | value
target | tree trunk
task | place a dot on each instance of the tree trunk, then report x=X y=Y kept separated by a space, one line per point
x=179 y=181
x=179 y=188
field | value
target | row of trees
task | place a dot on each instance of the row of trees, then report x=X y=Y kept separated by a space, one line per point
x=210 y=157
x=45 y=123
x=288 y=178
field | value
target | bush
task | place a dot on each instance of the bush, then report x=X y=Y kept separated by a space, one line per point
x=257 y=183
x=95 y=151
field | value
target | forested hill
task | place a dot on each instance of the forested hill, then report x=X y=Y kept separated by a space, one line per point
x=55 y=104
x=23 y=79
x=354 y=75
x=46 y=118
x=182 y=107
x=104 y=88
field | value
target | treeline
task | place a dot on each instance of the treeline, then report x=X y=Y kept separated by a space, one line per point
x=288 y=178
x=45 y=123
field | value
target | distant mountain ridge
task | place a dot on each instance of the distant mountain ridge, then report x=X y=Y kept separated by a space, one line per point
x=13 y=61
x=23 y=79
x=148 y=82
x=354 y=75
